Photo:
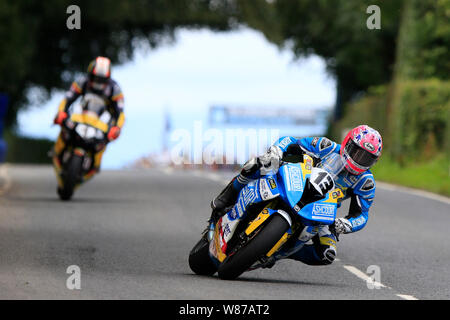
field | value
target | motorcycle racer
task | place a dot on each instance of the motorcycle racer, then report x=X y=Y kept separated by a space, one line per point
x=360 y=150
x=98 y=82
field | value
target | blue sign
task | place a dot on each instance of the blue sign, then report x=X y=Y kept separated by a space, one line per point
x=4 y=101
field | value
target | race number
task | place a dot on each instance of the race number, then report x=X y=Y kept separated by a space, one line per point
x=321 y=180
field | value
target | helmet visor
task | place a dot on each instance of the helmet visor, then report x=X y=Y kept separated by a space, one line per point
x=362 y=157
x=98 y=79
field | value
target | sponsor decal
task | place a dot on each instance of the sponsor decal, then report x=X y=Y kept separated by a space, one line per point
x=249 y=195
x=314 y=141
x=337 y=194
x=265 y=190
x=272 y=183
x=295 y=179
x=325 y=144
x=233 y=213
x=369 y=146
x=308 y=162
x=285 y=142
x=359 y=221
x=325 y=211
x=226 y=230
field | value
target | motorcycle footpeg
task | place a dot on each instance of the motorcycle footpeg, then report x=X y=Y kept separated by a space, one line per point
x=264 y=263
x=268 y=263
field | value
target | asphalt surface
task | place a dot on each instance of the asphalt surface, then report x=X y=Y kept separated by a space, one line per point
x=130 y=233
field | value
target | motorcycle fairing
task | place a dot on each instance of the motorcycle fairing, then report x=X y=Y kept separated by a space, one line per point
x=293 y=176
x=323 y=211
x=288 y=184
x=293 y=180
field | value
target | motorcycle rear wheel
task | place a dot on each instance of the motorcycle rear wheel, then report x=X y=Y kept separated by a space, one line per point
x=234 y=265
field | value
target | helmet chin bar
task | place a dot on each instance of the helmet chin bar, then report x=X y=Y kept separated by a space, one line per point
x=98 y=86
x=351 y=170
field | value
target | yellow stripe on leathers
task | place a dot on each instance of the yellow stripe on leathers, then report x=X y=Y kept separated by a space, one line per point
x=62 y=105
x=121 y=120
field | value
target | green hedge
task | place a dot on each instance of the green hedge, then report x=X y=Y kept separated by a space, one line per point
x=370 y=109
x=27 y=150
x=414 y=119
x=421 y=119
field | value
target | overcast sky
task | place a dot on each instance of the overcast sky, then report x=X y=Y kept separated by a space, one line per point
x=200 y=69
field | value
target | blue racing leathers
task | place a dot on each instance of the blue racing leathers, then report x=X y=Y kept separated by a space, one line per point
x=359 y=188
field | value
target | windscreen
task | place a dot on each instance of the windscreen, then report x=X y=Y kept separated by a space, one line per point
x=333 y=164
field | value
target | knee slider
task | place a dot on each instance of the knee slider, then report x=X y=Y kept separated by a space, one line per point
x=329 y=255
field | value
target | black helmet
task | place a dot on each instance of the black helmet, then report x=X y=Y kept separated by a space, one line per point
x=99 y=71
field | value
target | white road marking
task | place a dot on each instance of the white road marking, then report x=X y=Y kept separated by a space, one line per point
x=219 y=178
x=364 y=277
x=368 y=279
x=406 y=297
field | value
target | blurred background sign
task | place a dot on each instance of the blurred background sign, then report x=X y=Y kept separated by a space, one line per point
x=4 y=100
x=258 y=115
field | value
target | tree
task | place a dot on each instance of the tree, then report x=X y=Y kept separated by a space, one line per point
x=337 y=31
x=39 y=51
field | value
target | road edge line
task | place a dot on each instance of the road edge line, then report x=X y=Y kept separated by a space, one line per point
x=417 y=192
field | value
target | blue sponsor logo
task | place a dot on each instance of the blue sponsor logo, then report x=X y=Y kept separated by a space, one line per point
x=323 y=210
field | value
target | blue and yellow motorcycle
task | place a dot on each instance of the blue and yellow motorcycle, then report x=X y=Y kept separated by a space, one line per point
x=273 y=217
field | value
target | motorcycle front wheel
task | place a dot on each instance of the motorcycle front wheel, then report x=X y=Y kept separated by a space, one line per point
x=236 y=264
x=199 y=260
x=71 y=177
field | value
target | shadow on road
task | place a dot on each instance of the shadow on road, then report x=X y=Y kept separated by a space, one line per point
x=55 y=199
x=265 y=281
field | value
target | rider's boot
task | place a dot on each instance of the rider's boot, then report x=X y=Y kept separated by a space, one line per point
x=224 y=200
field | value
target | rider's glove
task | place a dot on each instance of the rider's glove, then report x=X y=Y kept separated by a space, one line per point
x=60 y=117
x=270 y=161
x=113 y=133
x=342 y=225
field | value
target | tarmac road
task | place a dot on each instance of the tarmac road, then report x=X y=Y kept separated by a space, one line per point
x=130 y=233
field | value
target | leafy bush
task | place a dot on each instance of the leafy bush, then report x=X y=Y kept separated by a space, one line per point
x=421 y=119
x=370 y=109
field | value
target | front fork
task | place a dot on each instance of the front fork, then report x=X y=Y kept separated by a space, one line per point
x=306 y=234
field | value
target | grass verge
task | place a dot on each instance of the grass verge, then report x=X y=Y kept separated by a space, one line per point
x=433 y=176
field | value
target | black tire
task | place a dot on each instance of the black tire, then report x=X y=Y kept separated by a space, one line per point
x=199 y=260
x=233 y=266
x=71 y=178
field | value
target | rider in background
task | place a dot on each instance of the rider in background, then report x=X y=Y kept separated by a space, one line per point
x=98 y=81
x=360 y=150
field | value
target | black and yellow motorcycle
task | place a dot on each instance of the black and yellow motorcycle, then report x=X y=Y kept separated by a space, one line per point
x=84 y=135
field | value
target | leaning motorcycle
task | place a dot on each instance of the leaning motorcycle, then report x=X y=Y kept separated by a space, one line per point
x=84 y=134
x=273 y=217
